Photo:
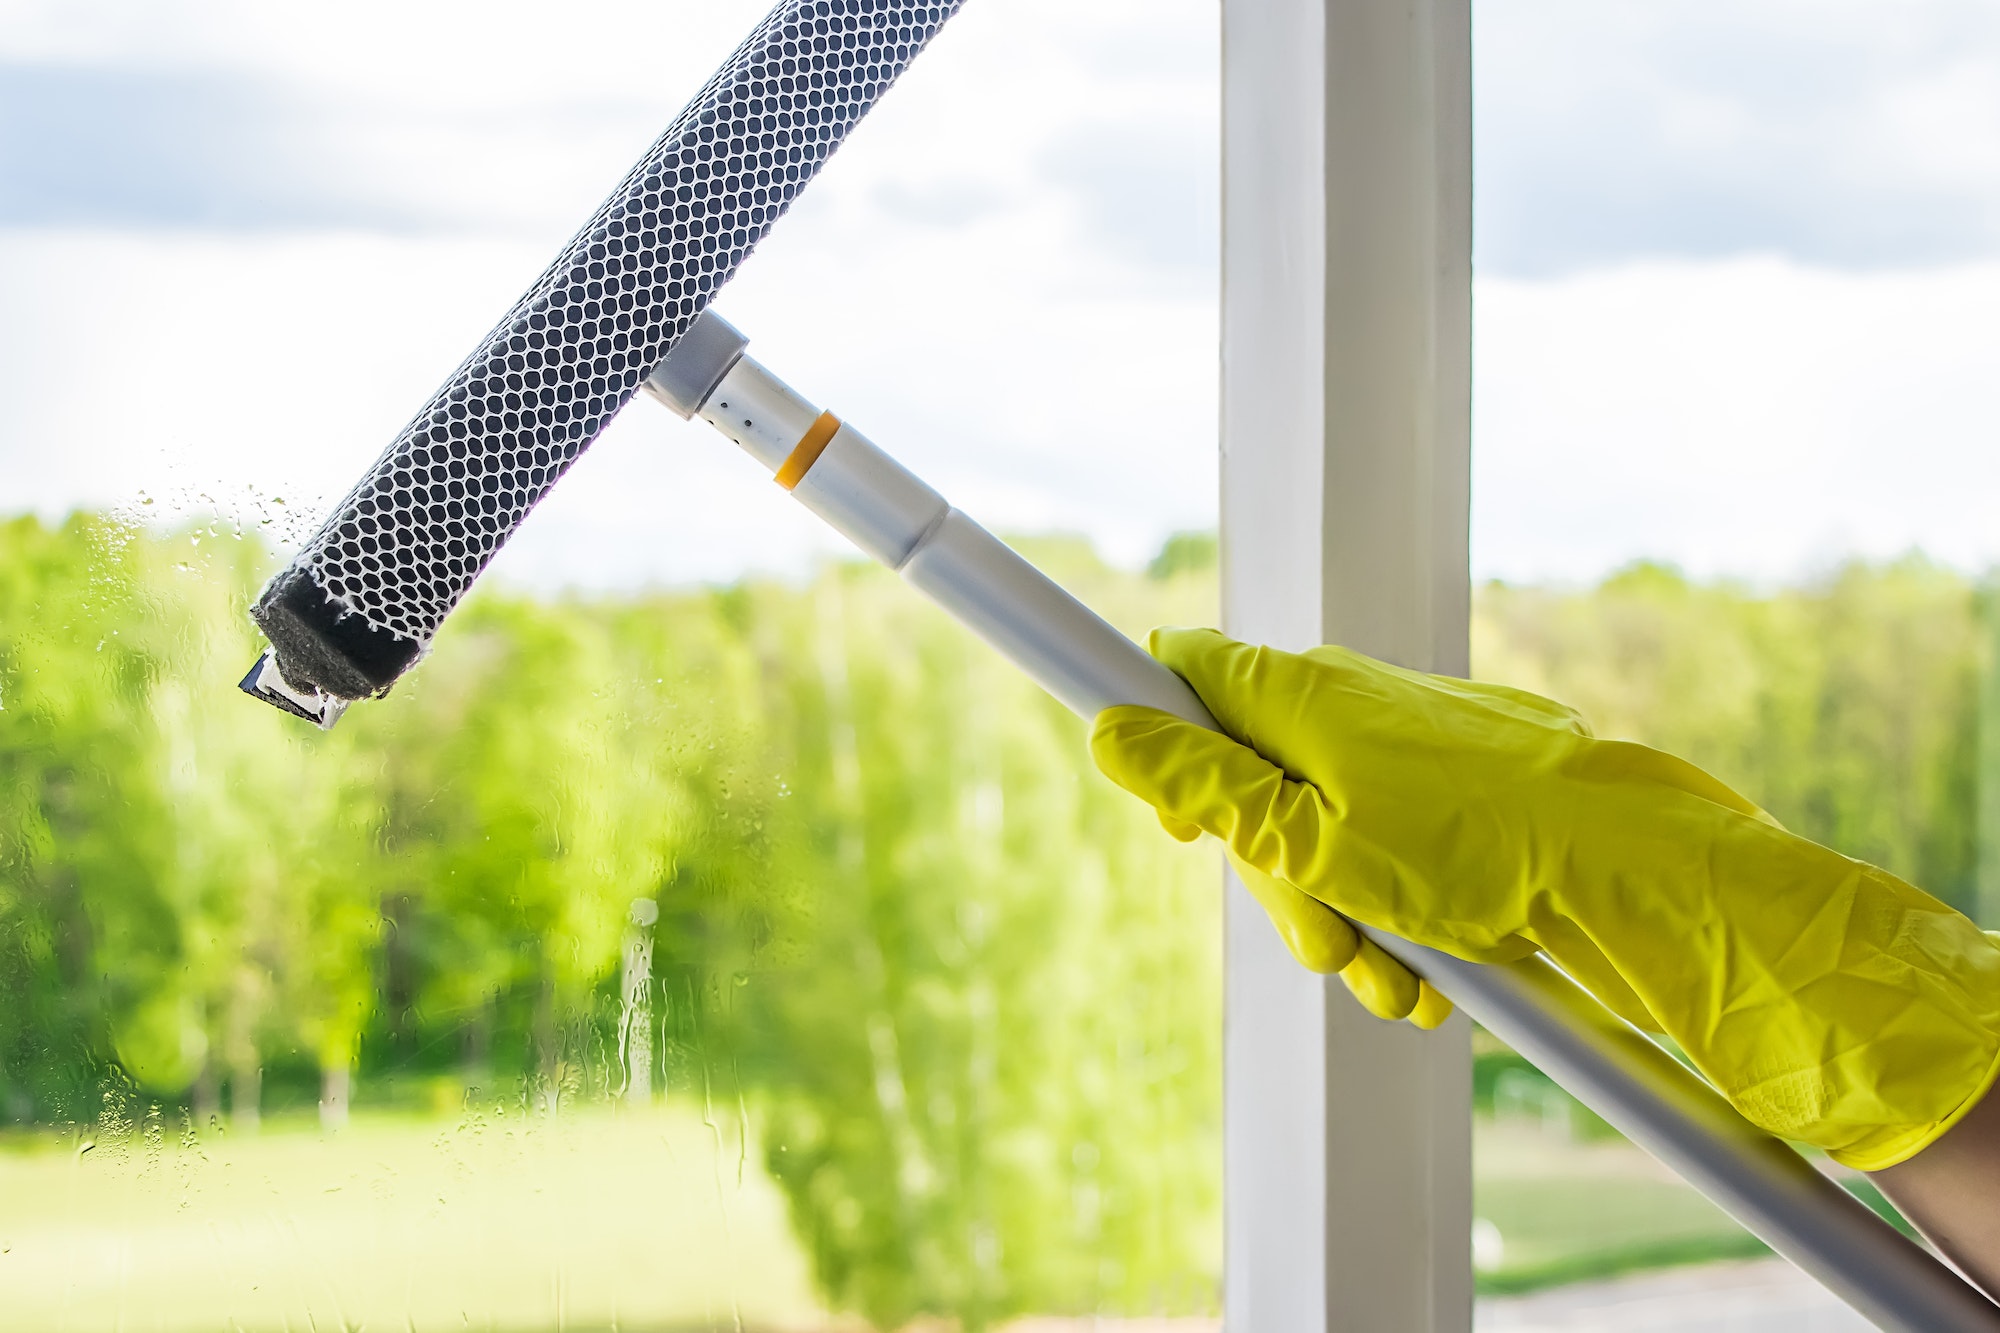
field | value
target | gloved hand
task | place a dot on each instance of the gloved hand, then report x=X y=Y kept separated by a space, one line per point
x=1828 y=1000
x=1325 y=941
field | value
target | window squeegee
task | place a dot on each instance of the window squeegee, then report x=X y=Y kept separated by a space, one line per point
x=625 y=305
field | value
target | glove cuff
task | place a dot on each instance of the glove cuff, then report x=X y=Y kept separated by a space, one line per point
x=1893 y=1146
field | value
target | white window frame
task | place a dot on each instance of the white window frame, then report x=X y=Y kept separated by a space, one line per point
x=1346 y=421
x=1346 y=406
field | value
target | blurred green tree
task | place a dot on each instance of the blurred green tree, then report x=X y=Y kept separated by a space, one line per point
x=1009 y=1015
x=1849 y=707
x=967 y=993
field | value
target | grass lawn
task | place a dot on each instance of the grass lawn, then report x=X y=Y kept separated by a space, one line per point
x=598 y=1219
x=1567 y=1211
x=603 y=1218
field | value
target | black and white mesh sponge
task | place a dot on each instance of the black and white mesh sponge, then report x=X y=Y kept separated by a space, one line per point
x=361 y=601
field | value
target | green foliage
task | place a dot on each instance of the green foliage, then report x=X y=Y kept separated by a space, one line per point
x=1848 y=708
x=1186 y=553
x=967 y=994
x=1010 y=985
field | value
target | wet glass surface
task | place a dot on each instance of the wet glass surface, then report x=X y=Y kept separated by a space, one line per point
x=767 y=955
x=745 y=957
x=765 y=952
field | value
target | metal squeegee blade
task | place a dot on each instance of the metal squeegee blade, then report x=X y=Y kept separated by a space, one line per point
x=363 y=599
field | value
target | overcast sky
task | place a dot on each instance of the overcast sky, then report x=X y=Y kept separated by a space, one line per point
x=1739 y=268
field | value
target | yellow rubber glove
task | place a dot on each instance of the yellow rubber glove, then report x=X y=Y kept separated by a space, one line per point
x=1828 y=1000
x=1325 y=941
x=1322 y=940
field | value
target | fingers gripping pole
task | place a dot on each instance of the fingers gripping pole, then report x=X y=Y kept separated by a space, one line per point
x=1088 y=665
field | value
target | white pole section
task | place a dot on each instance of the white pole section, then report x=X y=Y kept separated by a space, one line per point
x=1347 y=175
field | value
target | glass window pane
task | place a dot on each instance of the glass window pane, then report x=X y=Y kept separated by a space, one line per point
x=816 y=973
x=708 y=934
x=1734 y=499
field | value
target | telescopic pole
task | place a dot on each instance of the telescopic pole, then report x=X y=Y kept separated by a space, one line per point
x=1604 y=1062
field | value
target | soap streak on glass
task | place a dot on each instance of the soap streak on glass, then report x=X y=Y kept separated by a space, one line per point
x=635 y=1017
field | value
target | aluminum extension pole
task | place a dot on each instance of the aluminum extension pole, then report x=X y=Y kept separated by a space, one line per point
x=1604 y=1062
x=1670 y=1111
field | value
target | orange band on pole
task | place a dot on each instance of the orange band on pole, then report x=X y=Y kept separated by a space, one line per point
x=807 y=451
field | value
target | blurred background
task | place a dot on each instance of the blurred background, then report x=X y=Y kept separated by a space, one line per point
x=709 y=936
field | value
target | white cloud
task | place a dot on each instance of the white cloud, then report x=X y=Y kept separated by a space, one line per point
x=1852 y=133
x=1755 y=417
x=458 y=54
x=228 y=365
x=519 y=117
x=210 y=371
x=1006 y=276
x=938 y=284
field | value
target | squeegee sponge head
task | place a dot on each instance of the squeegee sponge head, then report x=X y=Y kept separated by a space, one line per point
x=321 y=645
x=1830 y=1001
x=400 y=551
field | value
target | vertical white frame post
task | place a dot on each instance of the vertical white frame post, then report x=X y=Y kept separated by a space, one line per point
x=1346 y=369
